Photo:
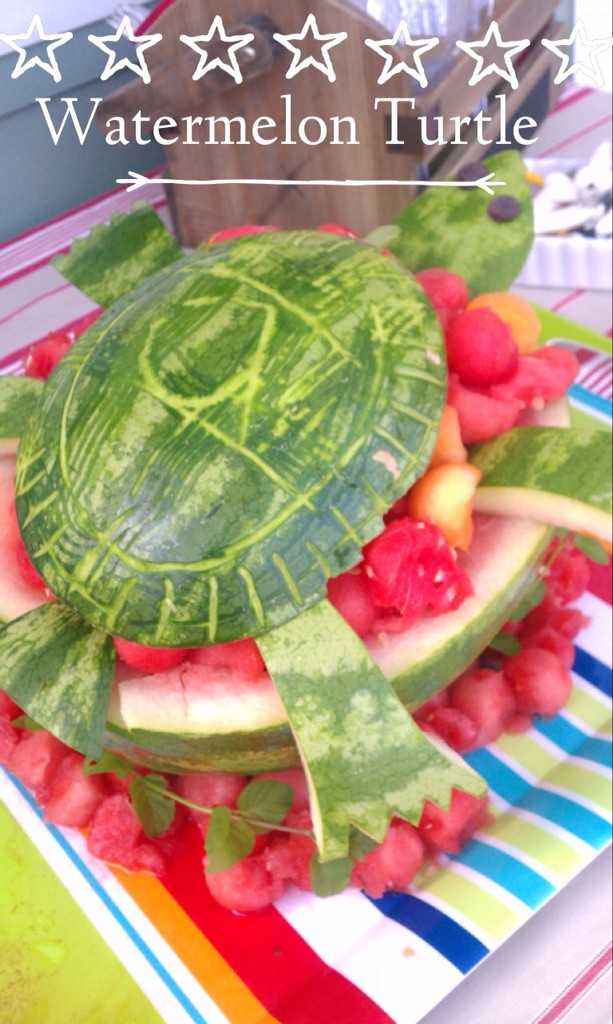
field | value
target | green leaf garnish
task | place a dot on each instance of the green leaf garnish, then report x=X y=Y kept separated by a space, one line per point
x=25 y=722
x=591 y=548
x=265 y=800
x=534 y=596
x=505 y=644
x=154 y=810
x=360 y=844
x=331 y=877
x=108 y=762
x=228 y=839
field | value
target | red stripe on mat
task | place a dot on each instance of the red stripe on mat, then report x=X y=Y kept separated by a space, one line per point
x=567 y=100
x=576 y=294
x=579 y=987
x=268 y=955
x=576 y=135
x=601 y=582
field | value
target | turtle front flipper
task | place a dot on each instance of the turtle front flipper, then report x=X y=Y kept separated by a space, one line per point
x=117 y=256
x=364 y=756
x=18 y=398
x=59 y=670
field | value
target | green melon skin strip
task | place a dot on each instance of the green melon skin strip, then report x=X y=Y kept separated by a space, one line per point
x=59 y=670
x=556 y=476
x=116 y=256
x=364 y=757
x=18 y=397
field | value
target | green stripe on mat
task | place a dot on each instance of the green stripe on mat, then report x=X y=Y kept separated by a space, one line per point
x=539 y=844
x=54 y=965
x=589 y=710
x=542 y=763
x=528 y=753
x=583 y=783
x=483 y=909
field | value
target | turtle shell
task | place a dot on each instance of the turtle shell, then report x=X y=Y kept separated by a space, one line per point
x=227 y=435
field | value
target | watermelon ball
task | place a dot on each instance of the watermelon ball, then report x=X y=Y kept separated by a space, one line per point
x=539 y=377
x=74 y=796
x=35 y=760
x=227 y=234
x=248 y=887
x=448 y=830
x=446 y=291
x=541 y=681
x=480 y=415
x=350 y=594
x=480 y=348
x=392 y=864
x=46 y=354
x=149 y=659
x=487 y=698
x=209 y=789
x=116 y=836
x=454 y=727
x=9 y=738
x=337 y=229
x=288 y=855
x=568 y=577
x=550 y=639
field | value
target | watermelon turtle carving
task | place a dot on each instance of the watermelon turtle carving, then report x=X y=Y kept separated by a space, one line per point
x=219 y=443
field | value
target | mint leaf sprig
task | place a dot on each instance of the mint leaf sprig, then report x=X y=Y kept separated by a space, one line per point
x=231 y=831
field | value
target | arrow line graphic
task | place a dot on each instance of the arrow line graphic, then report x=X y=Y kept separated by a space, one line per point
x=135 y=181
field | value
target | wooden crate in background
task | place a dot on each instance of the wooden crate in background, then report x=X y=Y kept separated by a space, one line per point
x=199 y=210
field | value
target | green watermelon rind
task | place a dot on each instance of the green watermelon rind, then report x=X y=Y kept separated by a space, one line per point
x=504 y=557
x=419 y=662
x=242 y=468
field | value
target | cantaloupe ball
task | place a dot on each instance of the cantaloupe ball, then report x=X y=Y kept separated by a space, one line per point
x=514 y=311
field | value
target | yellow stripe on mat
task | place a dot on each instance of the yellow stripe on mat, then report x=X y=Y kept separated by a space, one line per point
x=200 y=957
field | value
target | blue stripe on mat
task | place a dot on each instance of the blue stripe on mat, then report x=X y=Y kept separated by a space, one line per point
x=445 y=935
x=596 y=402
x=573 y=740
x=569 y=815
x=593 y=671
x=509 y=873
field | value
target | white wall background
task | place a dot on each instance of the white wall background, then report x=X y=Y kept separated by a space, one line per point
x=597 y=17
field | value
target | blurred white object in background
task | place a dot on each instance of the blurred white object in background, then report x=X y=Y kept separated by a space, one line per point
x=448 y=19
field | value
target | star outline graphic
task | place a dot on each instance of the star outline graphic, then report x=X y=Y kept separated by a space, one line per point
x=298 y=64
x=481 y=71
x=204 y=64
x=392 y=65
x=114 y=63
x=594 y=47
x=53 y=40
